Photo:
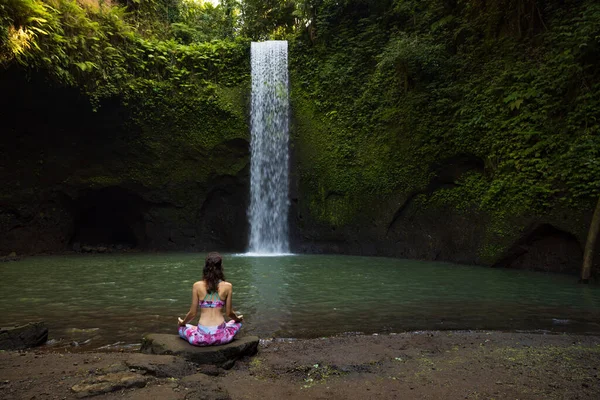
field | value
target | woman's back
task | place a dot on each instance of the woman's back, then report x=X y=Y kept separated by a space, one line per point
x=212 y=303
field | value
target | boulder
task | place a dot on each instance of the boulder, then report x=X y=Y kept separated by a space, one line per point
x=108 y=383
x=11 y=257
x=160 y=367
x=24 y=336
x=223 y=356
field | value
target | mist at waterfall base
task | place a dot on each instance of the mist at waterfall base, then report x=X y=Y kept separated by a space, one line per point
x=269 y=158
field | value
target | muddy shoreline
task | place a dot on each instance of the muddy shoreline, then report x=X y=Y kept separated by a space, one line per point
x=413 y=365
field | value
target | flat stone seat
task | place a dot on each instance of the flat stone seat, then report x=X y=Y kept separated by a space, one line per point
x=223 y=355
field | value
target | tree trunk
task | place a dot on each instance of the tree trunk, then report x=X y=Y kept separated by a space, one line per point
x=588 y=254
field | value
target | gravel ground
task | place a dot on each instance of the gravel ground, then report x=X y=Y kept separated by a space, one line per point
x=412 y=365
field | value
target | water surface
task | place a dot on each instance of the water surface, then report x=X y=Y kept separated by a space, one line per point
x=118 y=297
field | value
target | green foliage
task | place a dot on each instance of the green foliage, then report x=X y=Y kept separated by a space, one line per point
x=262 y=18
x=99 y=50
x=401 y=86
x=201 y=22
x=182 y=100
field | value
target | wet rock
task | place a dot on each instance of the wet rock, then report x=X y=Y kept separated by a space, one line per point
x=160 y=367
x=223 y=356
x=24 y=336
x=108 y=383
x=115 y=368
x=11 y=257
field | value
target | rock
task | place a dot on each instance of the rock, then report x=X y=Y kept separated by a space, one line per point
x=11 y=257
x=87 y=249
x=53 y=342
x=223 y=356
x=24 y=336
x=108 y=383
x=201 y=386
x=77 y=247
x=115 y=368
x=160 y=367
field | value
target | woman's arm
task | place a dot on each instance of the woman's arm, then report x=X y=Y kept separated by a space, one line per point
x=229 y=308
x=192 y=313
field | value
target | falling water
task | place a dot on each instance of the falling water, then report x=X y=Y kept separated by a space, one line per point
x=269 y=204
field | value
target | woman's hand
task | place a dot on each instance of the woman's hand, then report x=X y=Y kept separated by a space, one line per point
x=240 y=318
x=180 y=321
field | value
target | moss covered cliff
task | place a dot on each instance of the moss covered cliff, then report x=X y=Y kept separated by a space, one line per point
x=111 y=115
x=460 y=130
x=457 y=130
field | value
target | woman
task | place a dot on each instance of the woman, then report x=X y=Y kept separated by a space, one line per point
x=211 y=294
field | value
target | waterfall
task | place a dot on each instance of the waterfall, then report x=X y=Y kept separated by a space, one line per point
x=269 y=204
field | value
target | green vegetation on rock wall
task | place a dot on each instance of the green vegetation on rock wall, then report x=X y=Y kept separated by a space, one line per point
x=386 y=95
x=486 y=111
x=142 y=101
x=185 y=96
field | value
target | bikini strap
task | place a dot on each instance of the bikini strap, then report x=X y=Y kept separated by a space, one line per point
x=217 y=291
x=213 y=294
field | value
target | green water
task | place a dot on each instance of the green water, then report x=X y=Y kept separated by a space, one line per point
x=116 y=298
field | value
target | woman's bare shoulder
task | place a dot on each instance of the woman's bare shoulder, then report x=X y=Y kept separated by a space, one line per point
x=199 y=284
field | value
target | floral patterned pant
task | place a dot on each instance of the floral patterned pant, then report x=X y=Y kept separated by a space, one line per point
x=209 y=335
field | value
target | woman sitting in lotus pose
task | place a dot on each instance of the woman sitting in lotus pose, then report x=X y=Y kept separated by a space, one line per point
x=211 y=294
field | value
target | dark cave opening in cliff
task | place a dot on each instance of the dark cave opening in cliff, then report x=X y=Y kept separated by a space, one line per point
x=544 y=247
x=109 y=217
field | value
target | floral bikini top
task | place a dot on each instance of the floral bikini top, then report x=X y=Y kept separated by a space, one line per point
x=212 y=300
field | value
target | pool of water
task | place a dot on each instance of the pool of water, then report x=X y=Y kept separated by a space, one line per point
x=103 y=299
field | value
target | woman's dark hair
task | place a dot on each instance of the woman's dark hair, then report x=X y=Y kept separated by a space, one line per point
x=213 y=271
